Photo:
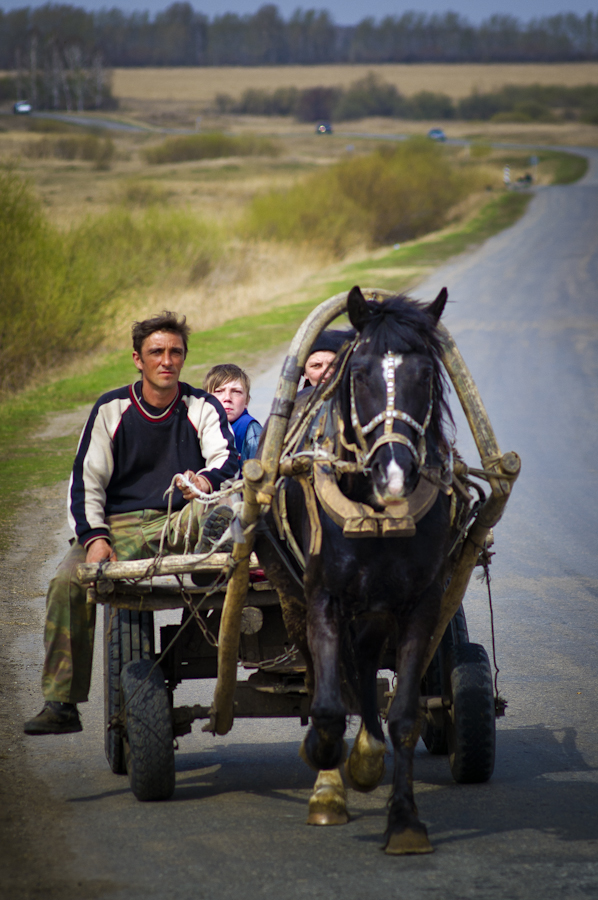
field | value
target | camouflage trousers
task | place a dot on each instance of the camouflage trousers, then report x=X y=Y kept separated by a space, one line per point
x=70 y=620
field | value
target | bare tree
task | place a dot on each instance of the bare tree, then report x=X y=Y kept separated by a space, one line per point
x=55 y=77
x=33 y=71
x=66 y=88
x=74 y=59
x=98 y=80
x=18 y=73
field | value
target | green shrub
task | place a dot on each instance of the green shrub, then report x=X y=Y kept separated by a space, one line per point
x=281 y=102
x=8 y=88
x=58 y=291
x=209 y=146
x=429 y=105
x=87 y=147
x=317 y=103
x=369 y=97
x=394 y=194
x=139 y=192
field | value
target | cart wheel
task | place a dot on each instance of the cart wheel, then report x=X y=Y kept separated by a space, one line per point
x=471 y=730
x=128 y=635
x=435 y=683
x=149 y=740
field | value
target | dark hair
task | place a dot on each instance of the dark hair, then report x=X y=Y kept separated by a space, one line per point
x=222 y=374
x=165 y=321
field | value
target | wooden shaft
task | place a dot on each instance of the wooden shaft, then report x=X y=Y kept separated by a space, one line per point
x=258 y=477
x=222 y=709
x=486 y=519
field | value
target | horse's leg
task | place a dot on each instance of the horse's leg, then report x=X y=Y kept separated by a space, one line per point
x=405 y=832
x=328 y=803
x=323 y=746
x=364 y=770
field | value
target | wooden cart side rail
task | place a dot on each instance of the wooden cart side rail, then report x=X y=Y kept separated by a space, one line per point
x=87 y=573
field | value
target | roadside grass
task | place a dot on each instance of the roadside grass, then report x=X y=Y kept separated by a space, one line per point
x=28 y=462
x=566 y=167
x=209 y=146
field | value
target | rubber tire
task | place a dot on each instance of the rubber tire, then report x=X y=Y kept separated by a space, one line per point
x=436 y=683
x=131 y=637
x=149 y=741
x=471 y=727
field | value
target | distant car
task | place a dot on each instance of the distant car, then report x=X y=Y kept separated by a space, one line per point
x=437 y=134
x=22 y=108
x=324 y=128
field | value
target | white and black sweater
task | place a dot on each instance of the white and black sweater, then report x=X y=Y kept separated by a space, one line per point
x=129 y=452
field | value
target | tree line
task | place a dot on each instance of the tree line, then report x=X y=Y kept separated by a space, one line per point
x=182 y=36
x=370 y=96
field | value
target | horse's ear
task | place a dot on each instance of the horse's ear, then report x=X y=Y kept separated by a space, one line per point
x=358 y=309
x=436 y=308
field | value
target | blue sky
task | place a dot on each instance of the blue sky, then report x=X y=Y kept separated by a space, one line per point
x=347 y=12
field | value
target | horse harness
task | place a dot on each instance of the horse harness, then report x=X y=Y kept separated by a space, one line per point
x=318 y=470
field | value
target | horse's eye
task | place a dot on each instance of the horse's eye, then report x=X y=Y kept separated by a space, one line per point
x=424 y=376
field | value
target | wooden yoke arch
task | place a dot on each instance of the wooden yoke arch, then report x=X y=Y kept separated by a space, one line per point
x=259 y=477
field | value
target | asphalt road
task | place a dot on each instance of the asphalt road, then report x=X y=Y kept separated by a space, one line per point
x=524 y=312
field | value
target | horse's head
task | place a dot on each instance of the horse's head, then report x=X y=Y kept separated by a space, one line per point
x=393 y=386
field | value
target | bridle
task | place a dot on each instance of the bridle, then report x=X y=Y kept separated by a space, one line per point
x=363 y=453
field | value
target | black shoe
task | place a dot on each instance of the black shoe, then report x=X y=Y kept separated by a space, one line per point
x=55 y=718
x=215 y=526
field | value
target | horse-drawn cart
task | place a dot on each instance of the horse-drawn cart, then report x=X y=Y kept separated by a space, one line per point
x=232 y=615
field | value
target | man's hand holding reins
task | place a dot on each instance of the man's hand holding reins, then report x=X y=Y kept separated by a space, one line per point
x=198 y=481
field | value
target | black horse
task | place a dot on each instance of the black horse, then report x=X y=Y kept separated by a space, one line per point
x=360 y=591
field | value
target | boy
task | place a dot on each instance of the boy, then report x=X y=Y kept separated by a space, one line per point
x=230 y=385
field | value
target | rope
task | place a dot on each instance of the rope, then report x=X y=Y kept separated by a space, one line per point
x=500 y=704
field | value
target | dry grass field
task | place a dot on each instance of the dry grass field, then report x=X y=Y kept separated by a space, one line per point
x=199 y=86
x=249 y=275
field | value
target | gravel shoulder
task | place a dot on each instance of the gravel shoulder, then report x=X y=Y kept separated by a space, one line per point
x=35 y=859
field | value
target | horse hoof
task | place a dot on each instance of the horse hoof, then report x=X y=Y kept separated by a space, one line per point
x=364 y=770
x=327 y=804
x=409 y=841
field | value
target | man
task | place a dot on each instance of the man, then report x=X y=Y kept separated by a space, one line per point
x=135 y=441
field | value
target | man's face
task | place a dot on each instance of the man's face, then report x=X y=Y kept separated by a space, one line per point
x=233 y=397
x=161 y=359
x=316 y=365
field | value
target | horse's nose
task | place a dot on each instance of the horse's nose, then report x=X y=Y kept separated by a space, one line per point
x=395 y=479
x=389 y=477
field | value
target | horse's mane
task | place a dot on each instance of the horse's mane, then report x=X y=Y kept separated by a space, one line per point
x=401 y=325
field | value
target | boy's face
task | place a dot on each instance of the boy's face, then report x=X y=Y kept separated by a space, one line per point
x=233 y=397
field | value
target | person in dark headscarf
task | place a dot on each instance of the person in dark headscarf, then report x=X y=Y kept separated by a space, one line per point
x=326 y=346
